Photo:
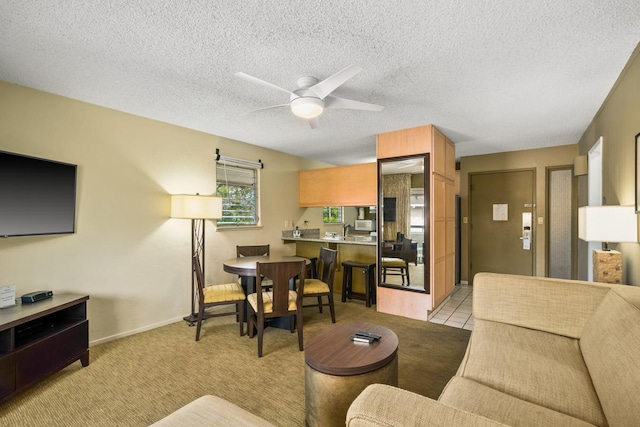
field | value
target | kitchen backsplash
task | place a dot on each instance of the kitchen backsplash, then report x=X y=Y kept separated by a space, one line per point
x=308 y=233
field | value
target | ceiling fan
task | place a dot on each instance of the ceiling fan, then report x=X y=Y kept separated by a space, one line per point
x=409 y=163
x=311 y=97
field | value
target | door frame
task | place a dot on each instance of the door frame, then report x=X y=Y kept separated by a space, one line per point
x=574 y=219
x=533 y=215
x=594 y=188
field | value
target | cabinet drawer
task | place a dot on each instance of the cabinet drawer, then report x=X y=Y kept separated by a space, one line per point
x=50 y=354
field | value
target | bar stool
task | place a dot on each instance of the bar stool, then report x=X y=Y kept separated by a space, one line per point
x=369 y=282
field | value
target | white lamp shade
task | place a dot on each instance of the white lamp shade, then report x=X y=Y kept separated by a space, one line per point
x=615 y=224
x=196 y=207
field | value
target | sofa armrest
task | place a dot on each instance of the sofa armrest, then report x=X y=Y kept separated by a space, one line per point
x=383 y=405
x=552 y=305
x=211 y=411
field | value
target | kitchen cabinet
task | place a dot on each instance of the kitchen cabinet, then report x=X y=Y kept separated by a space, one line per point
x=352 y=185
x=348 y=250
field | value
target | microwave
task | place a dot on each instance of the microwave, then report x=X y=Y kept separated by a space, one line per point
x=365 y=225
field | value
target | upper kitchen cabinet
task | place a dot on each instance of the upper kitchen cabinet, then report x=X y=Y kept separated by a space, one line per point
x=353 y=185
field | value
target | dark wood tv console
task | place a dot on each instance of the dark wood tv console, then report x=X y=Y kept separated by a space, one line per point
x=39 y=339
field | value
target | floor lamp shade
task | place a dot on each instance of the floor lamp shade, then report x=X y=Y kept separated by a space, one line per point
x=196 y=207
x=614 y=224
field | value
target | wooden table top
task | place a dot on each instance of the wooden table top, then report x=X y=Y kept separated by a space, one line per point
x=246 y=266
x=331 y=351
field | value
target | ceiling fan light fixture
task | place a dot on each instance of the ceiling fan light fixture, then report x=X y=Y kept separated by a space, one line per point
x=307 y=107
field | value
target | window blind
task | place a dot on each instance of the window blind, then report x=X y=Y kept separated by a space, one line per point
x=238 y=187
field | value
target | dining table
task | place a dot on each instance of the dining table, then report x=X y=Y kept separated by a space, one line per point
x=245 y=267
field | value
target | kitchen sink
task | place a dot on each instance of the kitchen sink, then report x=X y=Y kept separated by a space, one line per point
x=350 y=238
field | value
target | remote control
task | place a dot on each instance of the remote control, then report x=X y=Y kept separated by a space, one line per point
x=368 y=335
x=367 y=340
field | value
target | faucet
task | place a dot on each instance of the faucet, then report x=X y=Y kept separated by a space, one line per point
x=345 y=230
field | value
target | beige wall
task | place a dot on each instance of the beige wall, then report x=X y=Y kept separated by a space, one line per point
x=618 y=121
x=539 y=160
x=127 y=254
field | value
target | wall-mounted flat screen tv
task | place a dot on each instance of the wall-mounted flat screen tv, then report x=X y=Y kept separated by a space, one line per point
x=389 y=209
x=37 y=196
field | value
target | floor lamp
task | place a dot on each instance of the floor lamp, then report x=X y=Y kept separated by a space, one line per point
x=196 y=208
x=607 y=224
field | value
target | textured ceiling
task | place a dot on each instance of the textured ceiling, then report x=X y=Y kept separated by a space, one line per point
x=498 y=75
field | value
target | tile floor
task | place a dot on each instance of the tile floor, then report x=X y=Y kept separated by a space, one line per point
x=457 y=311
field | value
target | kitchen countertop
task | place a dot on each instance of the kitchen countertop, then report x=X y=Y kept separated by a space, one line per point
x=348 y=241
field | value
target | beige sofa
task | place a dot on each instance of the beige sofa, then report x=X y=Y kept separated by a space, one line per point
x=543 y=352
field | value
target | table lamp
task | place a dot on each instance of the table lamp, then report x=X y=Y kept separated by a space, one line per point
x=197 y=208
x=615 y=224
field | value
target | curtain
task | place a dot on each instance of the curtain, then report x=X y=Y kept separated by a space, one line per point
x=398 y=187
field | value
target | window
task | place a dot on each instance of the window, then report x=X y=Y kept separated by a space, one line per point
x=332 y=214
x=238 y=187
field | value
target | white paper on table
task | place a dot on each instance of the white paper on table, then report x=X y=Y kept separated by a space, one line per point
x=7 y=296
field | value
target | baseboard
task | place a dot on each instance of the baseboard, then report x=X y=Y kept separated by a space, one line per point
x=135 y=331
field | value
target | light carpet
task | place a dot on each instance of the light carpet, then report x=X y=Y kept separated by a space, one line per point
x=137 y=380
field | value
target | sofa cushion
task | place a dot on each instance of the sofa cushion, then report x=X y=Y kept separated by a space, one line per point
x=611 y=349
x=558 y=306
x=534 y=366
x=476 y=398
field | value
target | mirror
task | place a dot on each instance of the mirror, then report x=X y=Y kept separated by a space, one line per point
x=403 y=223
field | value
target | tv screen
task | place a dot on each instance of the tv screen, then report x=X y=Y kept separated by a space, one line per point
x=389 y=209
x=37 y=196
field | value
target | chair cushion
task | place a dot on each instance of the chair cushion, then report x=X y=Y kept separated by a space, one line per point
x=267 y=301
x=476 y=398
x=266 y=282
x=534 y=366
x=393 y=262
x=224 y=292
x=315 y=286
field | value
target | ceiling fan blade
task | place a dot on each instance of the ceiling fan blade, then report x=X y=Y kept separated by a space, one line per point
x=407 y=165
x=265 y=108
x=313 y=123
x=328 y=85
x=252 y=79
x=349 y=104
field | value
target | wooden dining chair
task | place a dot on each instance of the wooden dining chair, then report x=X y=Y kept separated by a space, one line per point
x=280 y=301
x=398 y=266
x=215 y=295
x=323 y=285
x=253 y=250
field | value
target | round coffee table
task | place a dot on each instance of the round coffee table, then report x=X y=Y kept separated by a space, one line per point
x=338 y=369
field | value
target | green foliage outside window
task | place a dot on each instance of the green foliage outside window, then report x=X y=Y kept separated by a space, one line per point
x=239 y=205
x=332 y=214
